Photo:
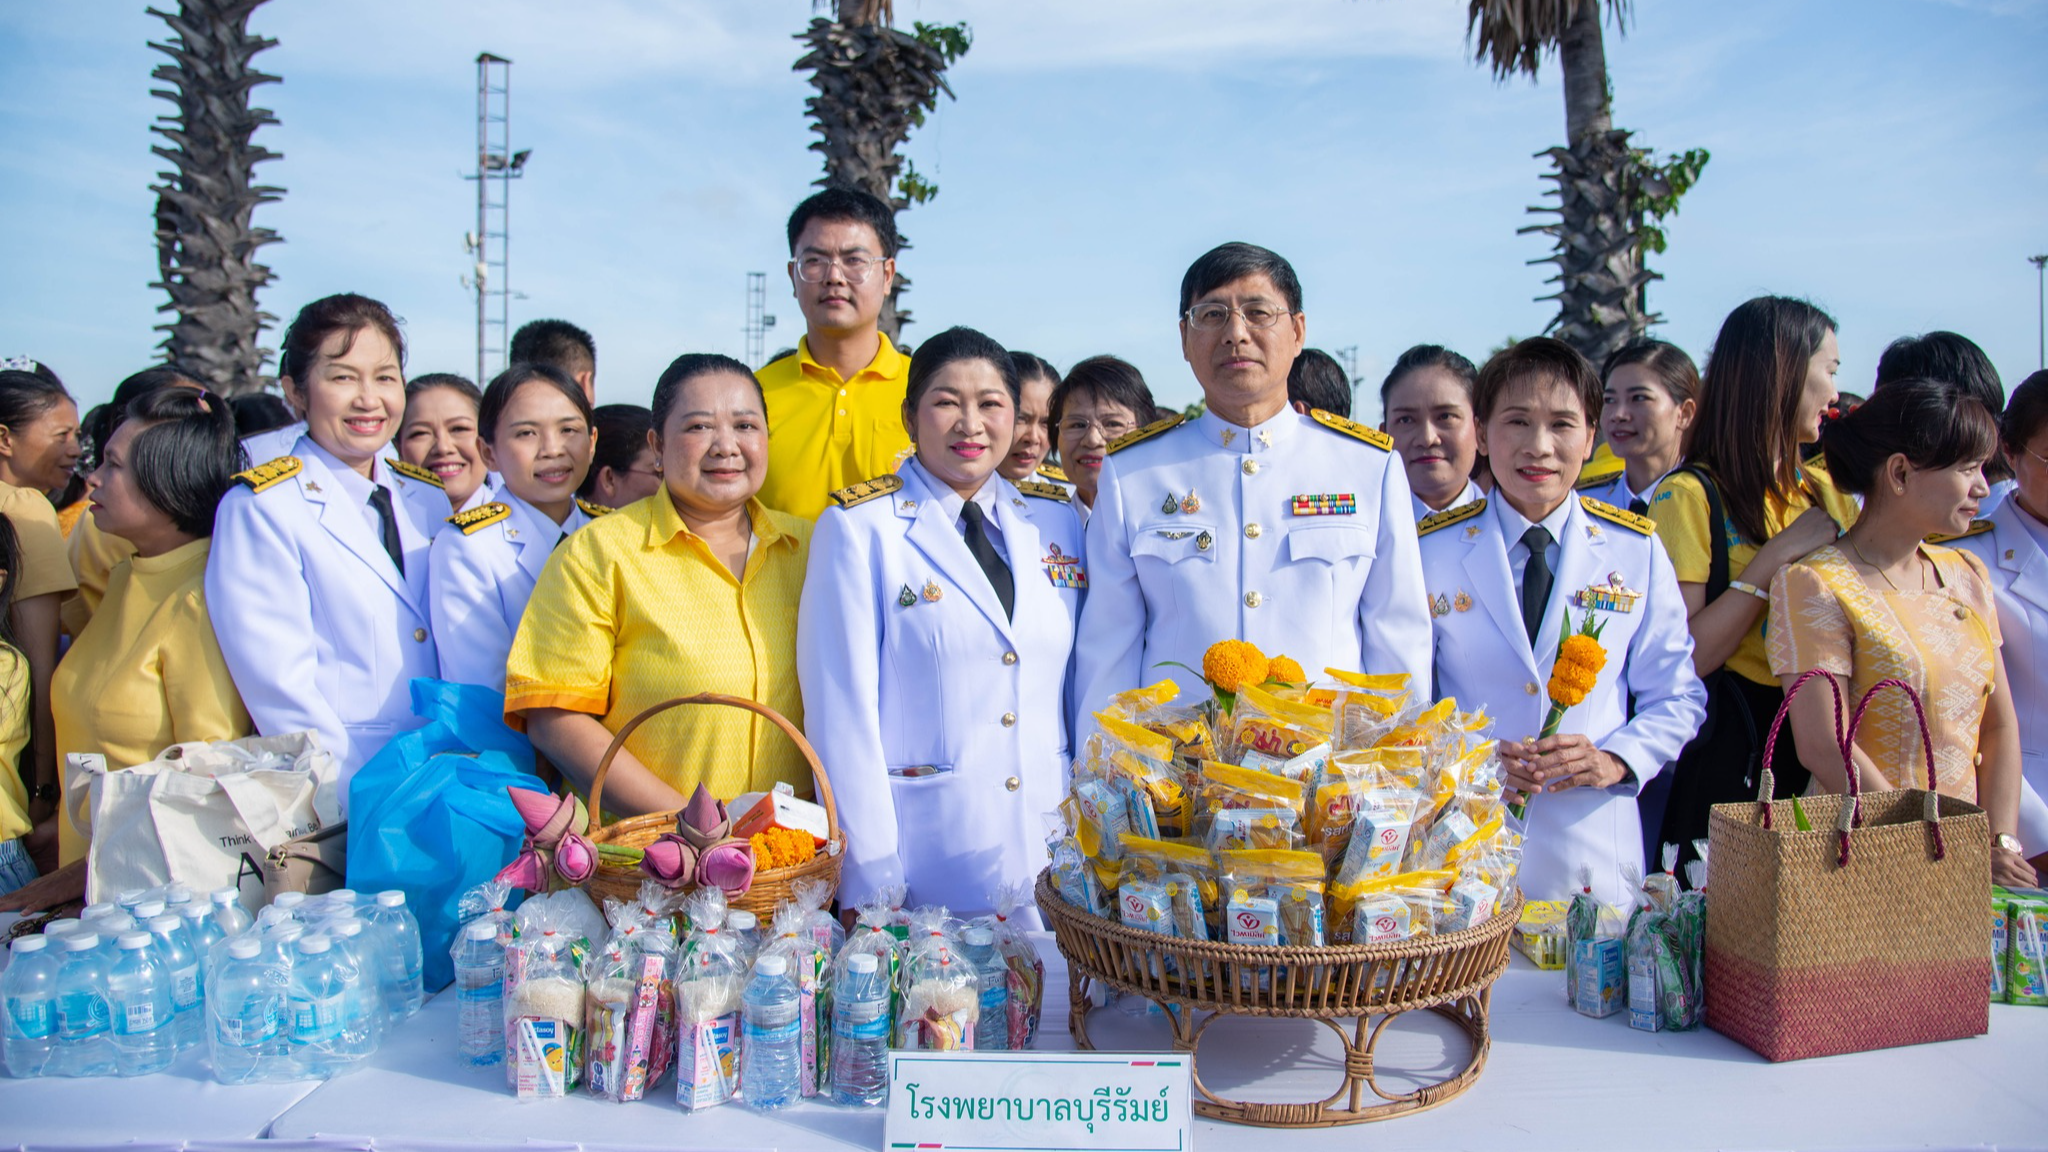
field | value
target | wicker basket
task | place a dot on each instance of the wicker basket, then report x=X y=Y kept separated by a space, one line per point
x=1198 y=981
x=771 y=886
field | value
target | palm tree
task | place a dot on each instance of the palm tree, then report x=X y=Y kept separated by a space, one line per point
x=206 y=243
x=1611 y=196
x=876 y=83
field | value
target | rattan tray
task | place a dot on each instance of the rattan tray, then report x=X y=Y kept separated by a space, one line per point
x=1198 y=981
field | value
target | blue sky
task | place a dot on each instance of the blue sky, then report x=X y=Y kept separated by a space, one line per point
x=1886 y=158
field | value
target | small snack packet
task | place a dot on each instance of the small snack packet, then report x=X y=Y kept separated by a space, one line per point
x=1364 y=707
x=941 y=1003
x=1540 y=933
x=1246 y=808
x=710 y=980
x=1252 y=919
x=2026 y=954
x=1378 y=918
x=1379 y=836
x=2001 y=936
x=1101 y=815
x=1344 y=897
x=1188 y=874
x=1282 y=729
x=1027 y=971
x=1292 y=880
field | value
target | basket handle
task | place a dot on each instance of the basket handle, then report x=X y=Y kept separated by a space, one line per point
x=604 y=765
x=1764 y=781
x=1933 y=812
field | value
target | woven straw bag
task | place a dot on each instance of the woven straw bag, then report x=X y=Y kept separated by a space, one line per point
x=1869 y=931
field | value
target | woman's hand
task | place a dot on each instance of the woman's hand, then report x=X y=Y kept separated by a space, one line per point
x=2009 y=870
x=64 y=886
x=1556 y=763
x=1813 y=529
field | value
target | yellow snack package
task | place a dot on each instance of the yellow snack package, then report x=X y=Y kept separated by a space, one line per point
x=1140 y=767
x=1188 y=875
x=1344 y=897
x=1134 y=702
x=1245 y=808
x=1292 y=880
x=1281 y=729
x=1363 y=708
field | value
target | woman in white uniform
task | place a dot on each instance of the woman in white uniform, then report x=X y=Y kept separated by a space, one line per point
x=317 y=581
x=537 y=431
x=935 y=645
x=1650 y=395
x=2013 y=544
x=438 y=435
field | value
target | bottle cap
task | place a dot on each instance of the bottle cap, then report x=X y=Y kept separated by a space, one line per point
x=862 y=962
x=289 y=900
x=177 y=894
x=979 y=936
x=130 y=897
x=81 y=941
x=165 y=923
x=147 y=910
x=244 y=947
x=741 y=920
x=345 y=926
x=58 y=929
x=775 y=965
x=194 y=911
x=272 y=915
x=134 y=941
x=29 y=944
x=313 y=944
x=391 y=898
x=225 y=896
x=95 y=911
x=481 y=928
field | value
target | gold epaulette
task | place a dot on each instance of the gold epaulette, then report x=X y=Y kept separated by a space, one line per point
x=480 y=517
x=1043 y=491
x=1587 y=483
x=414 y=471
x=867 y=490
x=1058 y=475
x=1631 y=520
x=590 y=509
x=1449 y=516
x=1976 y=528
x=269 y=475
x=1353 y=428
x=1140 y=435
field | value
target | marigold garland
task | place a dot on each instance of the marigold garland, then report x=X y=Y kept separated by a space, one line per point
x=1231 y=664
x=782 y=848
x=1572 y=675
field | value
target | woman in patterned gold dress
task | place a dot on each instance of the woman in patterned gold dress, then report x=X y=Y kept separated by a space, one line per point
x=1881 y=603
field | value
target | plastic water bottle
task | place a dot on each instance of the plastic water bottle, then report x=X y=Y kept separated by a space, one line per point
x=402 y=978
x=145 y=1017
x=480 y=994
x=29 y=992
x=290 y=903
x=280 y=944
x=85 y=1044
x=146 y=910
x=745 y=927
x=201 y=930
x=769 y=1047
x=992 y=978
x=228 y=912
x=246 y=1015
x=130 y=897
x=317 y=999
x=188 y=984
x=176 y=896
x=363 y=1019
x=860 y=1032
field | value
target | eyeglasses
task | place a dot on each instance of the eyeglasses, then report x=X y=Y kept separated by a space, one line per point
x=1212 y=316
x=856 y=269
x=655 y=472
x=1109 y=429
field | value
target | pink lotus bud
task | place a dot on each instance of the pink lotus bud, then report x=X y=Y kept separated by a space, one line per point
x=703 y=820
x=525 y=871
x=575 y=858
x=534 y=807
x=728 y=865
x=670 y=860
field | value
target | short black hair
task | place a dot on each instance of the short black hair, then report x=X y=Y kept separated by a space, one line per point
x=1234 y=261
x=1951 y=357
x=454 y=382
x=1933 y=423
x=2026 y=413
x=1031 y=366
x=25 y=396
x=851 y=206
x=1538 y=356
x=1109 y=378
x=344 y=312
x=507 y=383
x=556 y=343
x=187 y=457
x=1318 y=381
x=99 y=424
x=954 y=346
x=1429 y=356
x=259 y=412
x=621 y=434
x=686 y=368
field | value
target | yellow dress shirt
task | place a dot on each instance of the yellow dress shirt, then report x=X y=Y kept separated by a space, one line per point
x=14 y=689
x=93 y=556
x=825 y=433
x=45 y=566
x=634 y=609
x=146 y=673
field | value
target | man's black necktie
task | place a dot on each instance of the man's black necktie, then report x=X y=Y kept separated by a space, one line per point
x=1637 y=506
x=1536 y=579
x=992 y=563
x=380 y=499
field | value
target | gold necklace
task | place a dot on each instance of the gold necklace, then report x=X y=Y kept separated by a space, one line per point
x=1886 y=577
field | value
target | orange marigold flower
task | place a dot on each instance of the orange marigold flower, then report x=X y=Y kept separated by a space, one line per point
x=1231 y=664
x=1579 y=661
x=1584 y=650
x=781 y=848
x=1286 y=670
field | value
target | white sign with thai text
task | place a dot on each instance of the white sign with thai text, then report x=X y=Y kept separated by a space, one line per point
x=1014 y=1101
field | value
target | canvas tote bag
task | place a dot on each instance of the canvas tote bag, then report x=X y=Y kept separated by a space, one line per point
x=1866 y=931
x=206 y=815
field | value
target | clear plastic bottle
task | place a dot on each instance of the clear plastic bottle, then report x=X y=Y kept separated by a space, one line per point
x=201 y=930
x=188 y=982
x=745 y=927
x=992 y=980
x=29 y=992
x=246 y=1014
x=402 y=978
x=144 y=1014
x=344 y=897
x=861 y=1000
x=176 y=896
x=280 y=942
x=480 y=994
x=228 y=912
x=290 y=903
x=318 y=1001
x=363 y=1021
x=130 y=897
x=146 y=910
x=769 y=1036
x=85 y=1044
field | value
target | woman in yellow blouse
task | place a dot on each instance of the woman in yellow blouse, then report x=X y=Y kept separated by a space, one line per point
x=693 y=589
x=146 y=672
x=1879 y=603
x=16 y=869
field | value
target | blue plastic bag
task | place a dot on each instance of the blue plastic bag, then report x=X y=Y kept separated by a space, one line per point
x=429 y=813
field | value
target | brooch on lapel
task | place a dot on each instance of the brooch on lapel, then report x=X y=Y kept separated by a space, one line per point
x=1613 y=596
x=906 y=598
x=1063 y=570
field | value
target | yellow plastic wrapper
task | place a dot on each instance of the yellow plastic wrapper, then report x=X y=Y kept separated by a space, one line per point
x=1135 y=701
x=1139 y=764
x=1344 y=897
x=1188 y=875
x=1293 y=880
x=1380 y=835
x=1363 y=708
x=1245 y=808
x=1281 y=729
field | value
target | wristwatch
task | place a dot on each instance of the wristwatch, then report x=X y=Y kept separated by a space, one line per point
x=45 y=792
x=2009 y=842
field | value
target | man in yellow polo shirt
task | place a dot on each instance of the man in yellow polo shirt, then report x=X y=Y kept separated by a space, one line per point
x=835 y=407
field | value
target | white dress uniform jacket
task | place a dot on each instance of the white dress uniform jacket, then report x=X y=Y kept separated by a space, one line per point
x=483 y=573
x=940 y=720
x=1484 y=659
x=1470 y=494
x=2012 y=552
x=320 y=630
x=262 y=446
x=1297 y=535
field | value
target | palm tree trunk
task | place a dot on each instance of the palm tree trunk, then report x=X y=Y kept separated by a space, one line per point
x=1587 y=108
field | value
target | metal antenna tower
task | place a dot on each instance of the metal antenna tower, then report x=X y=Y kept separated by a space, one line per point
x=758 y=319
x=1348 y=357
x=490 y=244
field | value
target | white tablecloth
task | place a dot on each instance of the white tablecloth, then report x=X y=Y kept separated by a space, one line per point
x=158 y=1112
